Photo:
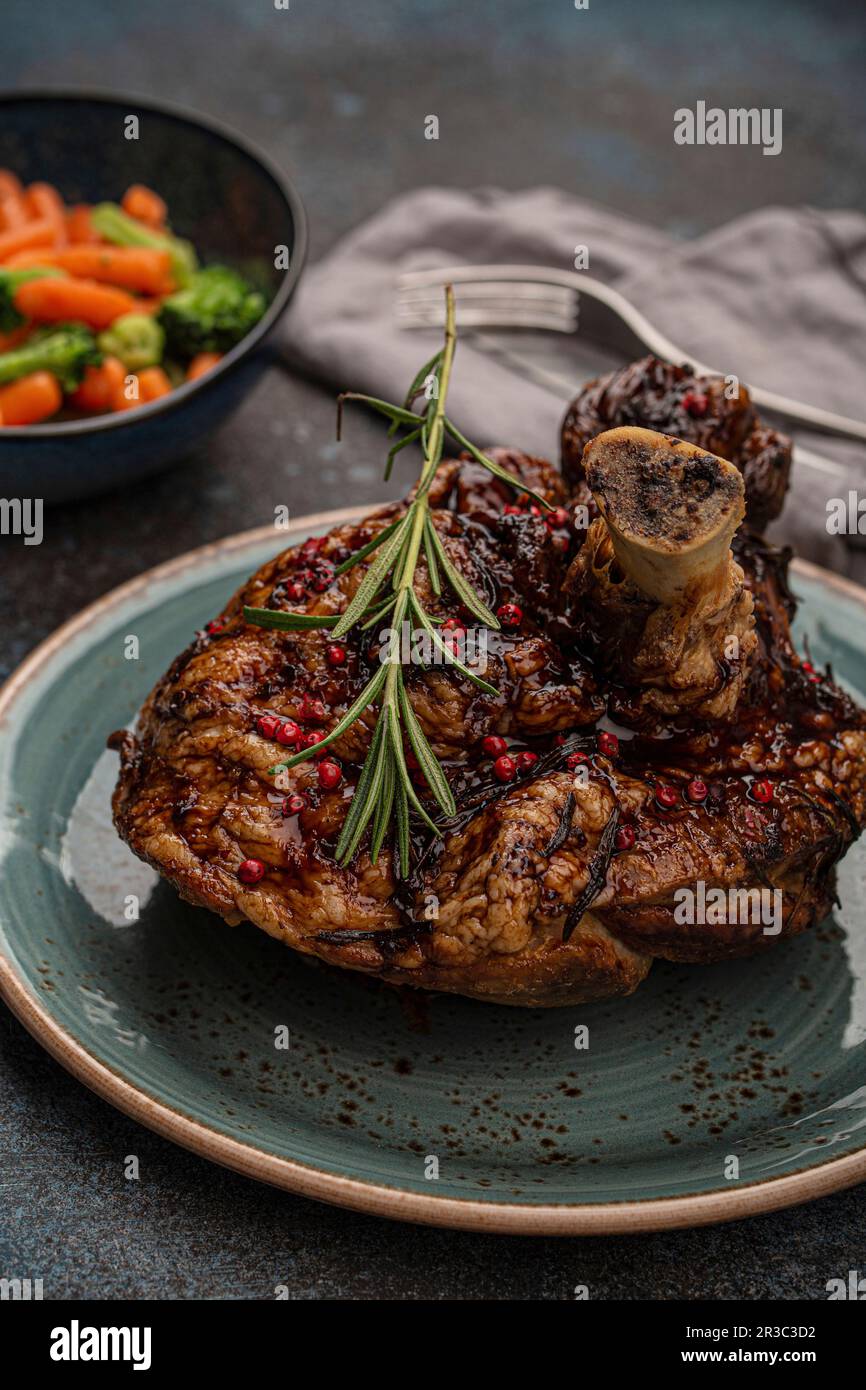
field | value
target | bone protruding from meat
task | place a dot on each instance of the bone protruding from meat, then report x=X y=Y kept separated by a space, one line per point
x=671 y=509
x=659 y=586
x=492 y=907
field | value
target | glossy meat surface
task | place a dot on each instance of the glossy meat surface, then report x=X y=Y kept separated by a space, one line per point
x=559 y=886
x=709 y=411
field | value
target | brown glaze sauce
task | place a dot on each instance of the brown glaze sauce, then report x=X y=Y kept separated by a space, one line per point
x=512 y=561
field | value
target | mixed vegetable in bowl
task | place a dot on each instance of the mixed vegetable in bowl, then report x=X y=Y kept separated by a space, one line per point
x=103 y=308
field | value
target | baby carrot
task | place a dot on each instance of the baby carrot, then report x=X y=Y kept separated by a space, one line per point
x=78 y=225
x=31 y=256
x=119 y=398
x=40 y=232
x=203 y=362
x=13 y=209
x=100 y=385
x=43 y=201
x=9 y=183
x=30 y=399
x=60 y=299
x=132 y=267
x=144 y=205
x=12 y=214
x=152 y=383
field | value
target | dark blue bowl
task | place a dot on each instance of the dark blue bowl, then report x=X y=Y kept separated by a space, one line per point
x=223 y=195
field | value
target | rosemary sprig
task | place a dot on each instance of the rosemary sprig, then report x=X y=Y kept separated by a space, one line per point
x=384 y=794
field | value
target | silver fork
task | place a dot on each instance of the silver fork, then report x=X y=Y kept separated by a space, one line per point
x=531 y=296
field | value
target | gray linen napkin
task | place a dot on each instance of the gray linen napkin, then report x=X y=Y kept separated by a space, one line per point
x=777 y=297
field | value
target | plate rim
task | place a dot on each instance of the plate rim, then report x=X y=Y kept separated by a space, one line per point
x=380 y=1199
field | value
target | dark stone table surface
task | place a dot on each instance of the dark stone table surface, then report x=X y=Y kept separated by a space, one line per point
x=337 y=91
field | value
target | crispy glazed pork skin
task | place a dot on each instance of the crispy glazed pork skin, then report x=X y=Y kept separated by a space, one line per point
x=524 y=863
x=700 y=410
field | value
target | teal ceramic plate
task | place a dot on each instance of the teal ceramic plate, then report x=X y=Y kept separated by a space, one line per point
x=713 y=1093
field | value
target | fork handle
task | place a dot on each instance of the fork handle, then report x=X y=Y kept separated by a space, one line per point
x=637 y=330
x=812 y=416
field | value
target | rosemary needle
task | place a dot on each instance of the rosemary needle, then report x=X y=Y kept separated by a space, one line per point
x=384 y=794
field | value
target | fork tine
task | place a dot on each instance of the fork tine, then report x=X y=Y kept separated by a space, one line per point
x=486 y=311
x=477 y=274
x=492 y=289
x=558 y=313
x=434 y=317
x=493 y=301
x=497 y=308
x=491 y=295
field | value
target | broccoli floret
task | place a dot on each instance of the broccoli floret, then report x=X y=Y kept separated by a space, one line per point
x=212 y=313
x=137 y=339
x=111 y=222
x=65 y=351
x=9 y=282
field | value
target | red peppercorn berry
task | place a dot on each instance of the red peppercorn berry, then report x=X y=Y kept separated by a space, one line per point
x=695 y=402
x=294 y=804
x=526 y=760
x=268 y=724
x=330 y=775
x=335 y=655
x=296 y=591
x=667 y=797
x=288 y=733
x=453 y=625
x=251 y=871
x=494 y=746
x=510 y=614
x=575 y=759
x=312 y=738
x=697 y=790
x=504 y=768
x=608 y=744
x=559 y=518
x=763 y=791
x=511 y=510
x=624 y=838
x=312 y=711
